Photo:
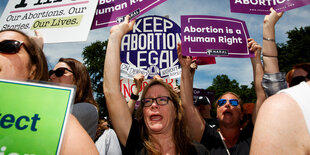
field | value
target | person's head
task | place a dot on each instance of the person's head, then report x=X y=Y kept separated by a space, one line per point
x=71 y=71
x=299 y=73
x=20 y=57
x=229 y=109
x=161 y=115
x=204 y=106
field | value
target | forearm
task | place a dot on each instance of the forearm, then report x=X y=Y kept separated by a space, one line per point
x=195 y=122
x=270 y=52
x=258 y=76
x=132 y=102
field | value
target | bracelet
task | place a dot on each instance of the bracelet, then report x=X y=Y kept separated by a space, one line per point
x=269 y=56
x=269 y=39
x=134 y=97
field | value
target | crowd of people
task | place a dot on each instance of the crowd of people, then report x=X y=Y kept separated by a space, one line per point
x=167 y=121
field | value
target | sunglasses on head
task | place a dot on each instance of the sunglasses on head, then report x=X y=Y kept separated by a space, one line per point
x=11 y=46
x=233 y=102
x=59 y=71
x=296 y=80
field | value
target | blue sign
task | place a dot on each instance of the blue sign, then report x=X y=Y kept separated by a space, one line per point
x=151 y=48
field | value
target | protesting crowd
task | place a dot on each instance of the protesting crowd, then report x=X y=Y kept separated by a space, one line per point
x=167 y=120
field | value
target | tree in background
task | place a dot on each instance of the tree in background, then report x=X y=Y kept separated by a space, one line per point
x=93 y=57
x=296 y=50
x=222 y=84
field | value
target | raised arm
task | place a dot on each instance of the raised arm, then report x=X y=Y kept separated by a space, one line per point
x=138 y=79
x=270 y=52
x=194 y=121
x=257 y=75
x=273 y=79
x=118 y=110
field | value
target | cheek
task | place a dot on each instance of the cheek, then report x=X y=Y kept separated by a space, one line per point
x=14 y=67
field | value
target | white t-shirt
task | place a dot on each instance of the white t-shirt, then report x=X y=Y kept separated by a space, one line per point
x=301 y=94
x=108 y=143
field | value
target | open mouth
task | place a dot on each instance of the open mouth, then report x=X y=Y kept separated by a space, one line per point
x=227 y=113
x=156 y=117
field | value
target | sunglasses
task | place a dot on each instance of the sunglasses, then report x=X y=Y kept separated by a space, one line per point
x=59 y=71
x=233 y=102
x=11 y=46
x=296 y=80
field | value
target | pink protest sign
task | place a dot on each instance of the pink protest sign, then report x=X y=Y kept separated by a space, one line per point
x=112 y=12
x=263 y=6
x=204 y=60
x=211 y=36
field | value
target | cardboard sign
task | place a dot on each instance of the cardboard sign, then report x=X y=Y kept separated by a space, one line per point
x=57 y=20
x=33 y=117
x=128 y=85
x=262 y=7
x=206 y=36
x=112 y=12
x=151 y=48
x=203 y=92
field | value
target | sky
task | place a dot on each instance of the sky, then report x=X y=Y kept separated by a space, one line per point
x=239 y=69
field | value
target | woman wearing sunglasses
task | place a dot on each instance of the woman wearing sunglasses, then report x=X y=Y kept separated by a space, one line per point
x=299 y=73
x=22 y=59
x=160 y=127
x=71 y=71
x=230 y=137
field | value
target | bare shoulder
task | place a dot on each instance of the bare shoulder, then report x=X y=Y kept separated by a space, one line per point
x=280 y=128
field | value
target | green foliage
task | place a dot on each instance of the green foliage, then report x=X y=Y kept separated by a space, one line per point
x=94 y=56
x=222 y=84
x=296 y=50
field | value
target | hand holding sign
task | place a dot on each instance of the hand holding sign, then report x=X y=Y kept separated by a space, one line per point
x=122 y=28
x=272 y=18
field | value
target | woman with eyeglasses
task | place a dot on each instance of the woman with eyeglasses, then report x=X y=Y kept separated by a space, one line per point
x=71 y=71
x=160 y=127
x=21 y=58
x=230 y=137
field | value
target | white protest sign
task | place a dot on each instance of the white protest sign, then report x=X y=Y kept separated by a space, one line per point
x=57 y=20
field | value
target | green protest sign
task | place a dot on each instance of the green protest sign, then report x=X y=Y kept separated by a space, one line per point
x=32 y=117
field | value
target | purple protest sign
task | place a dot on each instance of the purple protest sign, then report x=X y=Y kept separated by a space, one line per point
x=112 y=12
x=211 y=36
x=203 y=92
x=262 y=7
x=151 y=48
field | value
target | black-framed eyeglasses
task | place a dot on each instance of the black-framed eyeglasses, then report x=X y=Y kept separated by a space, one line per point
x=162 y=100
x=59 y=71
x=233 y=102
x=11 y=46
x=296 y=80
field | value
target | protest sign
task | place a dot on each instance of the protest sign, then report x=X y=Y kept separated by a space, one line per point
x=33 y=117
x=151 y=48
x=206 y=36
x=57 y=20
x=203 y=92
x=204 y=60
x=263 y=6
x=128 y=85
x=112 y=12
